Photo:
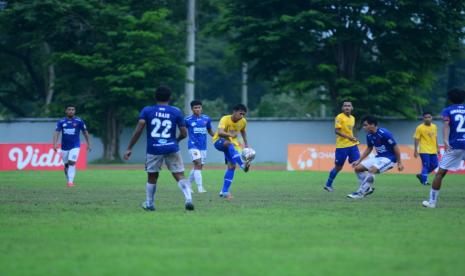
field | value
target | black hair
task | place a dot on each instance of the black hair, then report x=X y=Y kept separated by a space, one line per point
x=345 y=101
x=163 y=94
x=195 y=102
x=70 y=105
x=427 y=113
x=456 y=95
x=240 y=107
x=371 y=120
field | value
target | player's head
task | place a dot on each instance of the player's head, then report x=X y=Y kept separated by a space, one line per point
x=427 y=118
x=163 y=94
x=347 y=107
x=370 y=124
x=70 y=110
x=196 y=107
x=239 y=111
x=456 y=95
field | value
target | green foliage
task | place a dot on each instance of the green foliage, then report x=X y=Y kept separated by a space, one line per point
x=378 y=53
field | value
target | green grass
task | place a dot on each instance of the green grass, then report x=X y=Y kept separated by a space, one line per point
x=279 y=223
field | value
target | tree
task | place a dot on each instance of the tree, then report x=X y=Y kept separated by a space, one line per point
x=380 y=54
x=115 y=65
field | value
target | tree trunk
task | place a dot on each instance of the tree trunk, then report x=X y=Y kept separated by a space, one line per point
x=50 y=90
x=111 y=136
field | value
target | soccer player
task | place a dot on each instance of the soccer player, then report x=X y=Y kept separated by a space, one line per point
x=70 y=128
x=426 y=137
x=225 y=140
x=453 y=132
x=161 y=121
x=198 y=125
x=388 y=153
x=346 y=143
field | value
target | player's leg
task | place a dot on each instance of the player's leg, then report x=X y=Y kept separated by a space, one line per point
x=228 y=178
x=176 y=167
x=433 y=162
x=450 y=160
x=72 y=159
x=198 y=172
x=425 y=165
x=64 y=157
x=340 y=157
x=361 y=173
x=153 y=165
x=234 y=155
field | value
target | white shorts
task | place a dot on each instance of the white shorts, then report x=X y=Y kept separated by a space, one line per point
x=451 y=160
x=381 y=163
x=173 y=161
x=70 y=155
x=198 y=154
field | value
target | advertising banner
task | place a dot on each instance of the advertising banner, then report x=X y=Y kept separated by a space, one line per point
x=35 y=157
x=320 y=157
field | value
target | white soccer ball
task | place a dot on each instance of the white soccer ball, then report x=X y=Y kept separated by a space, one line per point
x=248 y=154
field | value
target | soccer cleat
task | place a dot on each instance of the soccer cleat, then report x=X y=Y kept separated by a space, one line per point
x=201 y=190
x=419 y=178
x=355 y=195
x=369 y=191
x=428 y=204
x=226 y=195
x=426 y=183
x=189 y=206
x=70 y=184
x=246 y=166
x=147 y=207
x=328 y=188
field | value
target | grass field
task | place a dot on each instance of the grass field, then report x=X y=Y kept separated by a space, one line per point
x=279 y=223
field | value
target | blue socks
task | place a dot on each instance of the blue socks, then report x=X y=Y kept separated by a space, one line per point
x=235 y=156
x=332 y=175
x=228 y=178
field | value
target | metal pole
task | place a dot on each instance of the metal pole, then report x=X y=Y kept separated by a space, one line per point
x=190 y=70
x=245 y=95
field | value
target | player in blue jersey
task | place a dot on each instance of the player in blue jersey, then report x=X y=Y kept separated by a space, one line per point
x=388 y=153
x=453 y=132
x=198 y=125
x=161 y=121
x=70 y=128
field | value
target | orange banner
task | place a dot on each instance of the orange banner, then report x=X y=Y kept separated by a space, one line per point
x=313 y=157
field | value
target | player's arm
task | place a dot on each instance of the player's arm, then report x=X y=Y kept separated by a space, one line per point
x=223 y=134
x=396 y=149
x=56 y=135
x=416 y=142
x=364 y=155
x=244 y=137
x=135 y=137
x=445 y=133
x=87 y=137
x=211 y=132
x=182 y=133
x=339 y=133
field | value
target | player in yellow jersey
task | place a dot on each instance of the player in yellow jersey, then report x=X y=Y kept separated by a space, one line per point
x=225 y=140
x=346 y=143
x=426 y=136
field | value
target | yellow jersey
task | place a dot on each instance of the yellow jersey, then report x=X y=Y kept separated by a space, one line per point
x=427 y=136
x=345 y=124
x=229 y=126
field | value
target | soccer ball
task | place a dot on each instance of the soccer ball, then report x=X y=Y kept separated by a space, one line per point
x=248 y=154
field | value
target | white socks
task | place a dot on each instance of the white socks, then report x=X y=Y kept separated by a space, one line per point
x=196 y=175
x=150 y=192
x=71 y=173
x=366 y=180
x=433 y=195
x=185 y=188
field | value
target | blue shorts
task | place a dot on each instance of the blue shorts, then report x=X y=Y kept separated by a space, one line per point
x=429 y=161
x=343 y=153
x=219 y=145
